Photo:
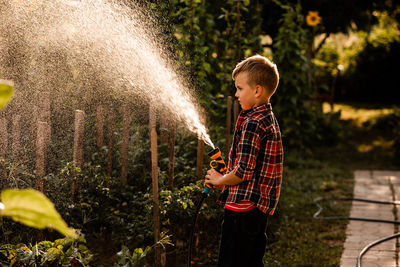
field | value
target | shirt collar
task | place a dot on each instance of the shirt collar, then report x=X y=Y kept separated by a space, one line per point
x=258 y=109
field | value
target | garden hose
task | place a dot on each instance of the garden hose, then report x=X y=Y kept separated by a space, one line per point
x=219 y=165
x=198 y=206
x=376 y=242
x=315 y=216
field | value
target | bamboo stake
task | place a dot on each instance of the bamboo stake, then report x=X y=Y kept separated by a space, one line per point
x=125 y=143
x=41 y=144
x=171 y=151
x=41 y=149
x=16 y=135
x=78 y=150
x=154 y=175
x=34 y=122
x=235 y=111
x=111 y=125
x=228 y=125
x=99 y=127
x=78 y=138
x=164 y=128
x=44 y=107
x=3 y=137
x=200 y=149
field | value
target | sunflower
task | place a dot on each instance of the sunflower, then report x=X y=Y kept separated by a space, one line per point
x=313 y=19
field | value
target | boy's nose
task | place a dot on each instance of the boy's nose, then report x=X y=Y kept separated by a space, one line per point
x=236 y=94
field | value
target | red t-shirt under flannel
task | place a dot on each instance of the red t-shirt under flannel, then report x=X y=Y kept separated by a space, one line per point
x=256 y=156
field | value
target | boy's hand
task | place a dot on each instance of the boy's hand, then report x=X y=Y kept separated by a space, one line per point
x=213 y=177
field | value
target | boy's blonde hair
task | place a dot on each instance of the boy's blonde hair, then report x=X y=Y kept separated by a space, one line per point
x=261 y=71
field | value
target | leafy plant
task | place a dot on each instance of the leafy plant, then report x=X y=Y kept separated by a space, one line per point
x=128 y=259
x=61 y=252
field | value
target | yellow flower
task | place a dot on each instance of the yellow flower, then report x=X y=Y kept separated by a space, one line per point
x=313 y=19
x=214 y=55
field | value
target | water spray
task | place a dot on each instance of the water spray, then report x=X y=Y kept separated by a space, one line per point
x=218 y=164
x=64 y=44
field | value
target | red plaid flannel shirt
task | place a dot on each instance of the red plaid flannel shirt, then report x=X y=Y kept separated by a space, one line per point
x=256 y=156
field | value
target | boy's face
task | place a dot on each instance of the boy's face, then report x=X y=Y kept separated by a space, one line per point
x=244 y=92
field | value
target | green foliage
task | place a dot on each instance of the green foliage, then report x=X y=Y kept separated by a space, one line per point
x=292 y=101
x=390 y=125
x=366 y=58
x=337 y=16
x=61 y=252
x=128 y=259
x=326 y=70
x=372 y=78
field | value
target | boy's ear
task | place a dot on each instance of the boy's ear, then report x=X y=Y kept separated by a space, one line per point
x=259 y=90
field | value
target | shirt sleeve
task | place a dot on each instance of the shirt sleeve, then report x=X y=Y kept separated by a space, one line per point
x=247 y=151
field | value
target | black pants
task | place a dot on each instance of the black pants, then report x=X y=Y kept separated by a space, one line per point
x=243 y=239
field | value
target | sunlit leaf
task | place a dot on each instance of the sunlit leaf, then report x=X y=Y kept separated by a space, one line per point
x=34 y=209
x=6 y=92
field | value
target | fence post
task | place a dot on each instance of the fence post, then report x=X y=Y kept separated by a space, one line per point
x=3 y=137
x=111 y=125
x=78 y=138
x=126 y=120
x=99 y=127
x=200 y=148
x=171 y=151
x=78 y=149
x=164 y=128
x=16 y=135
x=44 y=108
x=228 y=125
x=43 y=133
x=235 y=111
x=154 y=176
x=35 y=119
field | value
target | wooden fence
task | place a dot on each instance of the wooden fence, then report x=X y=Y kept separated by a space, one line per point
x=41 y=130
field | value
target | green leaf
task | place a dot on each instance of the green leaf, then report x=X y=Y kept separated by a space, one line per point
x=34 y=209
x=6 y=92
x=207 y=67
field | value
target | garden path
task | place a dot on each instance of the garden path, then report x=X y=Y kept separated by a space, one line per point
x=374 y=185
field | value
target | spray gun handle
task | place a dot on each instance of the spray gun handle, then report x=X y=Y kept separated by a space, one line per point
x=207 y=188
x=218 y=164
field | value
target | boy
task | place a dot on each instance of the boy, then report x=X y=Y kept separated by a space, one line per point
x=252 y=184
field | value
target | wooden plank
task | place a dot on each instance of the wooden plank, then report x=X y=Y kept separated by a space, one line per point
x=99 y=127
x=79 y=138
x=111 y=126
x=154 y=176
x=228 y=126
x=126 y=120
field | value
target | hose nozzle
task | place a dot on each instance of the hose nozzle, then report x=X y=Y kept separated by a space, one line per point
x=217 y=163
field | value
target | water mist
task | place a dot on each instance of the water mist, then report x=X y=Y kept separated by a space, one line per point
x=111 y=42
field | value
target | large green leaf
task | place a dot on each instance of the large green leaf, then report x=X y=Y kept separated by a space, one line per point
x=34 y=209
x=6 y=92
